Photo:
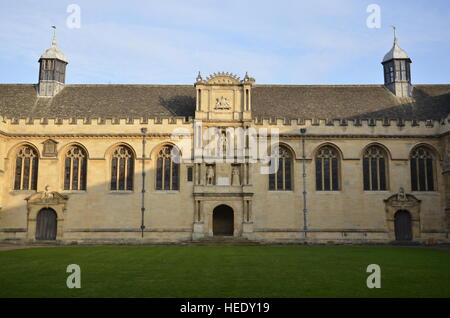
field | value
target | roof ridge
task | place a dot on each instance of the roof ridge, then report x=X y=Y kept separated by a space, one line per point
x=316 y=85
x=135 y=85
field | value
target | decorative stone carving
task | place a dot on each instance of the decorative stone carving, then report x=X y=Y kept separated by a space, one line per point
x=49 y=148
x=46 y=198
x=401 y=196
x=47 y=195
x=223 y=78
x=222 y=103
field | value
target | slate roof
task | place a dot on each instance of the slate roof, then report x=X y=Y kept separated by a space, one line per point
x=289 y=101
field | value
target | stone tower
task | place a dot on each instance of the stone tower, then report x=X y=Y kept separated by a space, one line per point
x=52 y=71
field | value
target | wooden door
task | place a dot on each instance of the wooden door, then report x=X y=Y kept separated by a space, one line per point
x=46 y=225
x=403 y=228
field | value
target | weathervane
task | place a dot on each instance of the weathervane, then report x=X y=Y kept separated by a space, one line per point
x=394 y=28
x=54 y=35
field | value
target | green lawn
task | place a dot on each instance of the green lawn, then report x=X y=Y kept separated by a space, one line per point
x=234 y=271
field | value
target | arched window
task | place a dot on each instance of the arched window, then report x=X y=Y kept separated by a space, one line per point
x=167 y=169
x=281 y=178
x=75 y=165
x=327 y=169
x=122 y=169
x=375 y=169
x=422 y=170
x=27 y=162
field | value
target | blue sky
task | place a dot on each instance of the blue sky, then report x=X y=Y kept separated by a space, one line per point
x=277 y=42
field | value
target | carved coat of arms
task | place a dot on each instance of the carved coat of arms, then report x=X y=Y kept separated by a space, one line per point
x=222 y=103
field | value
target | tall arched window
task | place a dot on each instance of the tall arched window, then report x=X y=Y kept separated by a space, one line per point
x=422 y=170
x=26 y=173
x=75 y=169
x=327 y=169
x=281 y=178
x=122 y=169
x=375 y=169
x=167 y=169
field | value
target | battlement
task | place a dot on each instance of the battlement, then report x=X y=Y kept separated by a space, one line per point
x=166 y=125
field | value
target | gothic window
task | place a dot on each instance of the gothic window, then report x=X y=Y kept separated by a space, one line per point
x=122 y=169
x=26 y=172
x=375 y=169
x=327 y=169
x=281 y=178
x=167 y=169
x=75 y=165
x=422 y=170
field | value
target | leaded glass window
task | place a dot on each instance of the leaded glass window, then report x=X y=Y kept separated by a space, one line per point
x=375 y=169
x=122 y=169
x=168 y=169
x=281 y=178
x=26 y=173
x=422 y=170
x=75 y=169
x=327 y=169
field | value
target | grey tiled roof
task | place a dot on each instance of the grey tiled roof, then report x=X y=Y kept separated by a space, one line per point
x=307 y=102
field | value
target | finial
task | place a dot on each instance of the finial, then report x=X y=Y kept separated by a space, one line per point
x=199 y=77
x=394 y=28
x=54 y=36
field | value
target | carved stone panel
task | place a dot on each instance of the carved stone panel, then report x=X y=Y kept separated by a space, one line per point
x=49 y=148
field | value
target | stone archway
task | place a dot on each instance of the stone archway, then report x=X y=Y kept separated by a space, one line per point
x=223 y=221
x=405 y=225
x=52 y=202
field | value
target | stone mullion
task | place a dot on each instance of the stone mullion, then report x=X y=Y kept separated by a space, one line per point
x=80 y=165
x=125 y=174
x=22 y=170
x=71 y=174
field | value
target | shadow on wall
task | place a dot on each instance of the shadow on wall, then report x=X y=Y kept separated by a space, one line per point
x=99 y=208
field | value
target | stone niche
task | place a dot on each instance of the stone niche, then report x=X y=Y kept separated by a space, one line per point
x=223 y=97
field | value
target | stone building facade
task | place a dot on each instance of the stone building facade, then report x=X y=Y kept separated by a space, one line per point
x=172 y=163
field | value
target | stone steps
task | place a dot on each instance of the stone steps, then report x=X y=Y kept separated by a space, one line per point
x=223 y=241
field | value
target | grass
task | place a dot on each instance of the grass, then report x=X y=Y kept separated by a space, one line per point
x=233 y=271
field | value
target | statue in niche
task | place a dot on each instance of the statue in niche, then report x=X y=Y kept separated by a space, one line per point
x=222 y=144
x=235 y=176
x=210 y=175
x=401 y=196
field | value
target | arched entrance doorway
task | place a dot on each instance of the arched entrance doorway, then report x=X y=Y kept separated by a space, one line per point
x=223 y=221
x=402 y=226
x=46 y=222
